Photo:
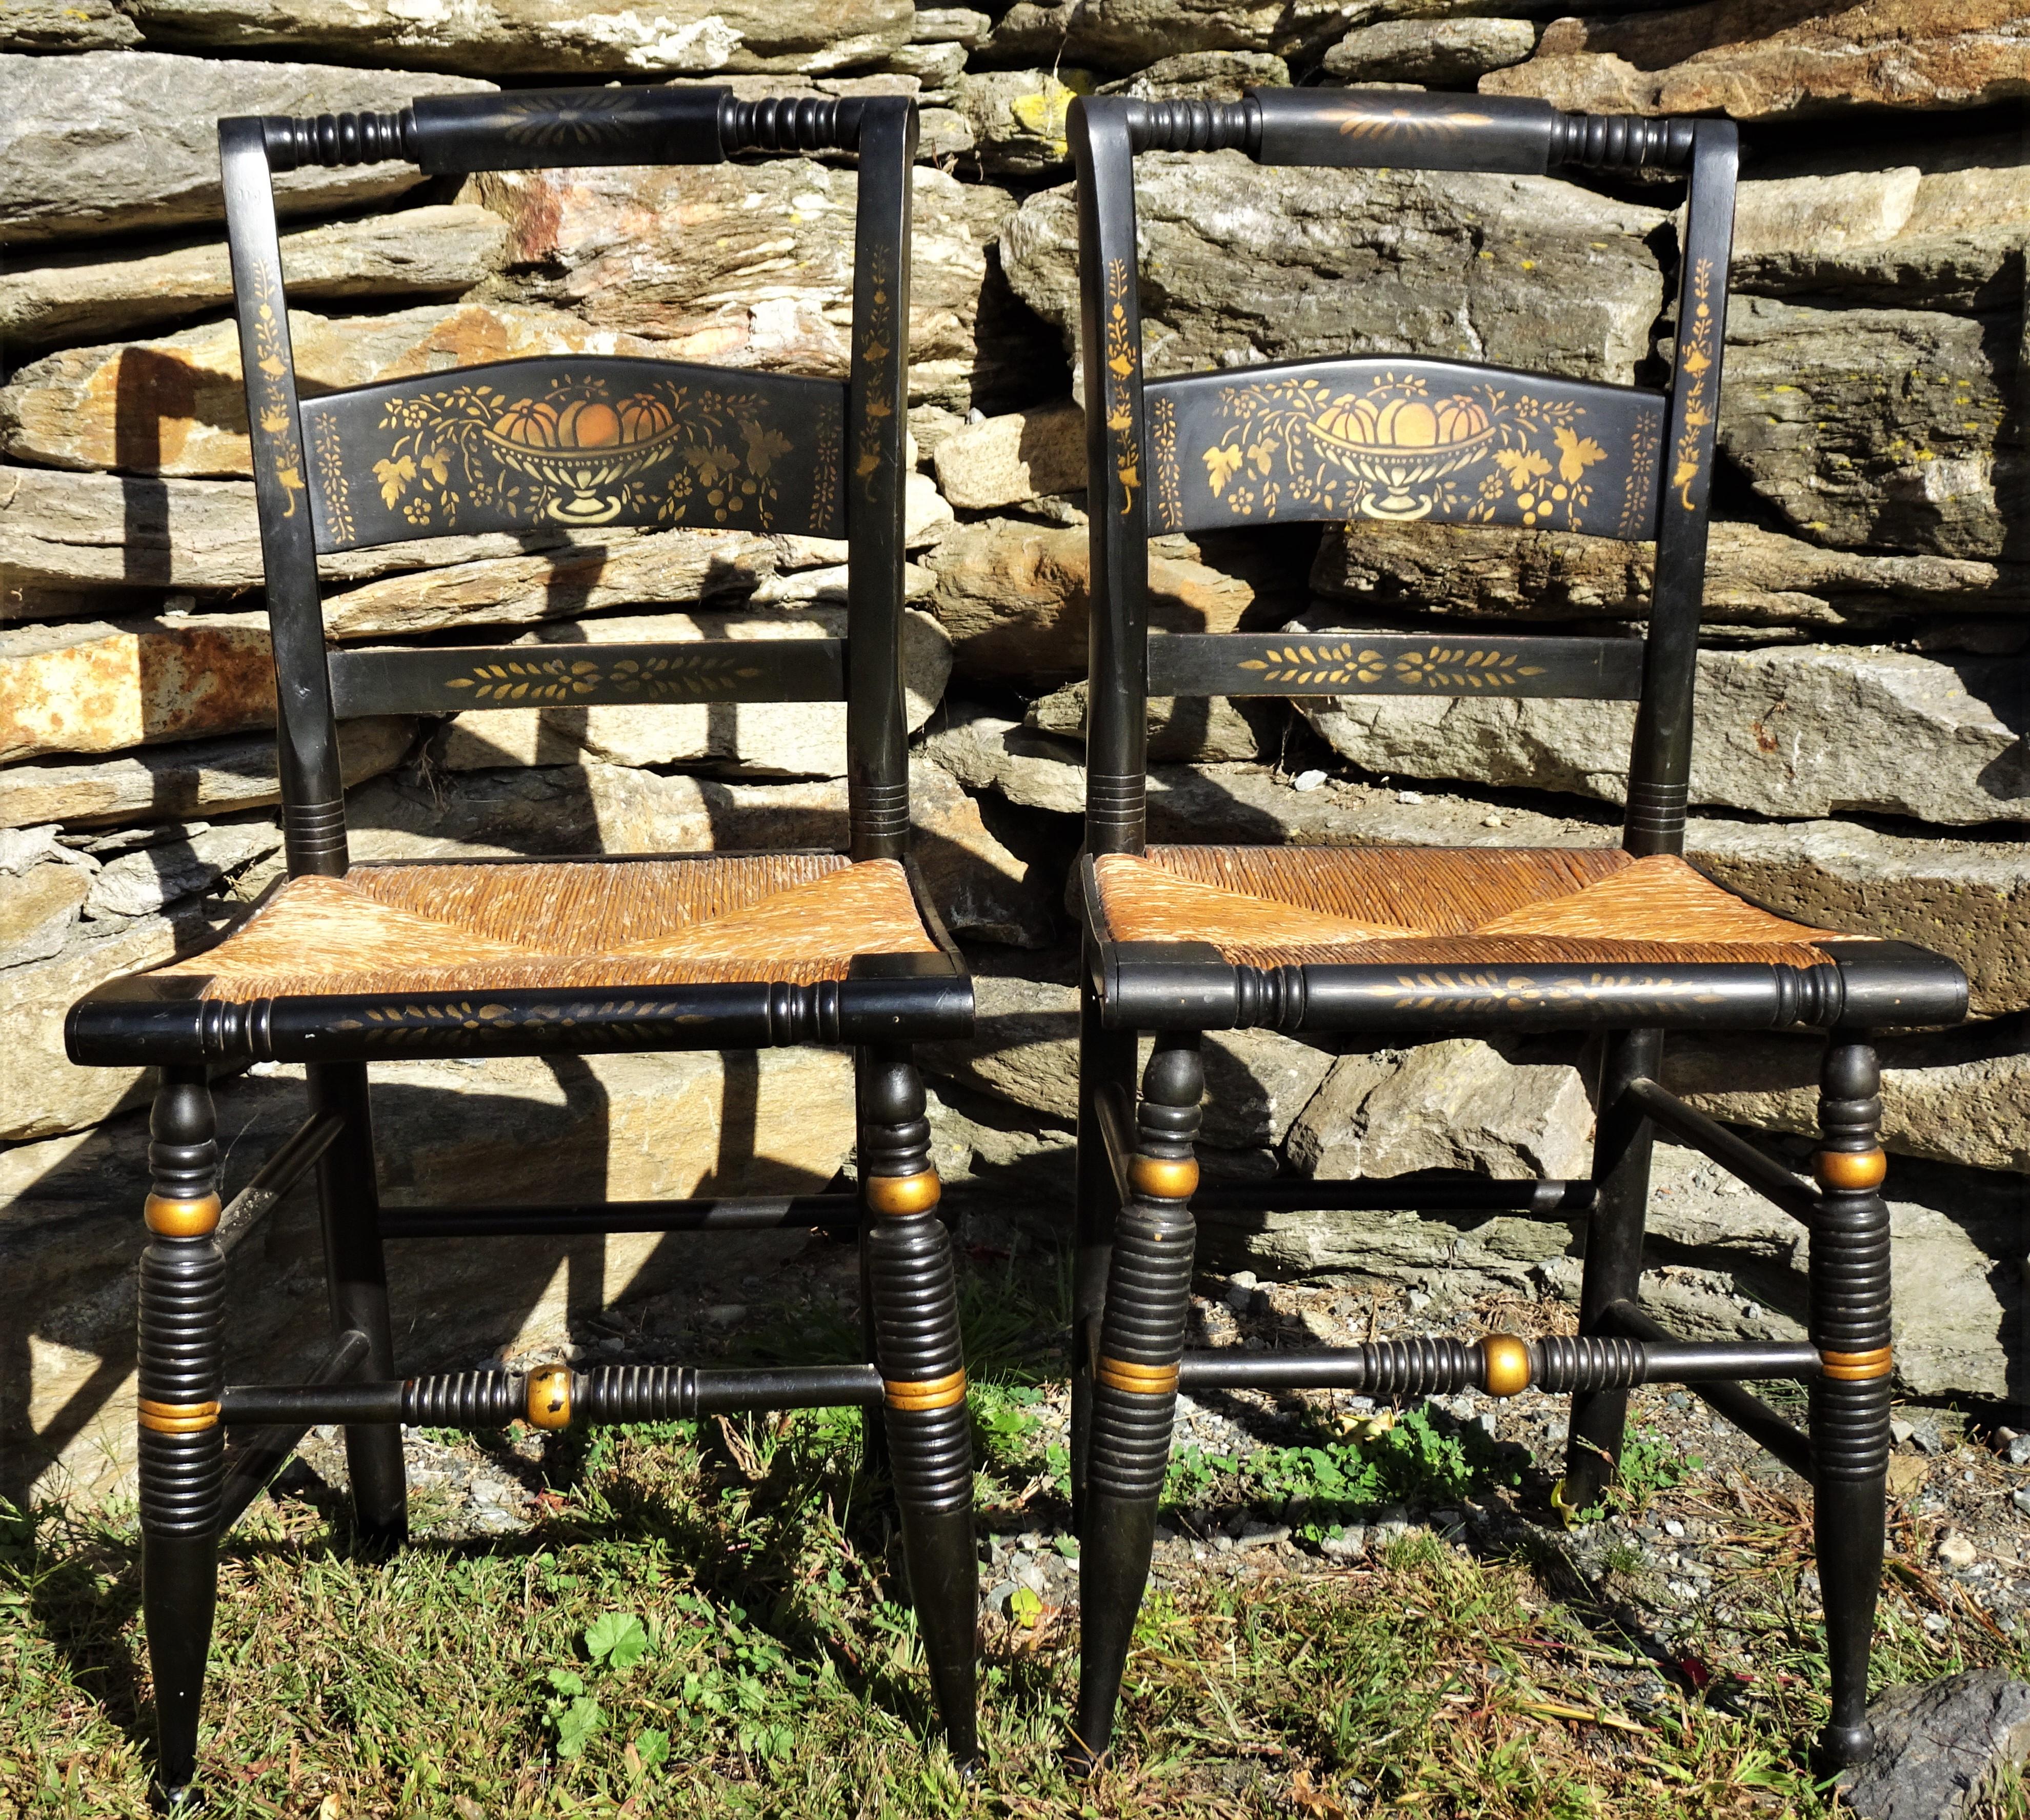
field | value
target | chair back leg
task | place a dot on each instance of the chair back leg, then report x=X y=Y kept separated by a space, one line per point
x=1622 y=1148
x=356 y=1274
x=1106 y=1065
x=1135 y=1381
x=912 y=1291
x=181 y=1445
x=1849 y=1285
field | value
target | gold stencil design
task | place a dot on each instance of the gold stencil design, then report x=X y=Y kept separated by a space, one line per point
x=333 y=483
x=877 y=342
x=1392 y=450
x=825 y=481
x=1370 y=122
x=275 y=417
x=677 y=676
x=1440 y=666
x=591 y=116
x=1122 y=358
x=394 y=1022
x=1163 y=448
x=1695 y=357
x=1489 y=990
x=1638 y=490
x=575 y=454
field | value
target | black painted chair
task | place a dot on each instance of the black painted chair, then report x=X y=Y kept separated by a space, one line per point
x=345 y=964
x=1406 y=942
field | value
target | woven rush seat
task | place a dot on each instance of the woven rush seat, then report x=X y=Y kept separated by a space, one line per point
x=499 y=926
x=1291 y=906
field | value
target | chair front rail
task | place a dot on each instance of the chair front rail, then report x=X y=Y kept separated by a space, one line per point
x=157 y=1019
x=554 y=1397
x=452 y=679
x=757 y=1214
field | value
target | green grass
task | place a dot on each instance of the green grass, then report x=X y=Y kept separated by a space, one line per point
x=707 y=1620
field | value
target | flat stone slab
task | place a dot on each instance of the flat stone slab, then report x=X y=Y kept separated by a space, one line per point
x=1937 y=1747
x=1792 y=731
x=1710 y=59
x=1243 y=263
x=416 y=253
x=115 y=140
x=547 y=37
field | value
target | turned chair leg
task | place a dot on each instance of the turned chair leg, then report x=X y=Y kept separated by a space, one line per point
x=182 y=1447
x=1106 y=1064
x=1849 y=1283
x=1613 y=1255
x=356 y=1272
x=1134 y=1382
x=914 y=1295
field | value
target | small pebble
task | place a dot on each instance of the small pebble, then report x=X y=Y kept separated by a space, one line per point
x=1956 y=1550
x=2019 y=1450
x=1263 y=1534
x=1412 y=797
x=1308 y=781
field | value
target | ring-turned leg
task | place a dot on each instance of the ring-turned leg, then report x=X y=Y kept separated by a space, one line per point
x=1613 y=1270
x=1848 y=1283
x=1134 y=1382
x=356 y=1270
x=914 y=1295
x=1106 y=1065
x=182 y=1447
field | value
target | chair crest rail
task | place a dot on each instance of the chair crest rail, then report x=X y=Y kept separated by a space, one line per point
x=1432 y=132
x=532 y=128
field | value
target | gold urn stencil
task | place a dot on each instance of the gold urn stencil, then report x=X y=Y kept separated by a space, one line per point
x=1396 y=447
x=589 y=448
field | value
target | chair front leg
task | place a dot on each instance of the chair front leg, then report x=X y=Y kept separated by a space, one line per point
x=1849 y=1282
x=356 y=1273
x=914 y=1295
x=181 y=1445
x=1135 y=1381
x=1613 y=1267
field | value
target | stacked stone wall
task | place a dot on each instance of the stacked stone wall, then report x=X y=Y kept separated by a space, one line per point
x=1863 y=754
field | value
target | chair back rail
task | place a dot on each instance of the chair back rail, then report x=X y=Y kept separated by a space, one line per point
x=455 y=679
x=1401 y=439
x=576 y=442
x=1397 y=438
x=581 y=441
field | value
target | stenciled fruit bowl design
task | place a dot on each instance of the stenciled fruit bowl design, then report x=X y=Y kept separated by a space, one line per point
x=583 y=447
x=1397 y=441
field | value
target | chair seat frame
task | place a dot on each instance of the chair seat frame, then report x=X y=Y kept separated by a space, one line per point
x=574 y=446
x=1137 y=1173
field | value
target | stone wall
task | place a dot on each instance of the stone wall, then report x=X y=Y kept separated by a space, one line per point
x=1862 y=756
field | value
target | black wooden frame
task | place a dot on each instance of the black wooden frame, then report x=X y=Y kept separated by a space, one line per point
x=1137 y=1176
x=191 y=1489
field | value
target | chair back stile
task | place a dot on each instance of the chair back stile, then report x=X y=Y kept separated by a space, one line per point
x=581 y=441
x=1393 y=438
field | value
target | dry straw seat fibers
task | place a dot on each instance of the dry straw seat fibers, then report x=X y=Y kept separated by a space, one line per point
x=481 y=926
x=1290 y=906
